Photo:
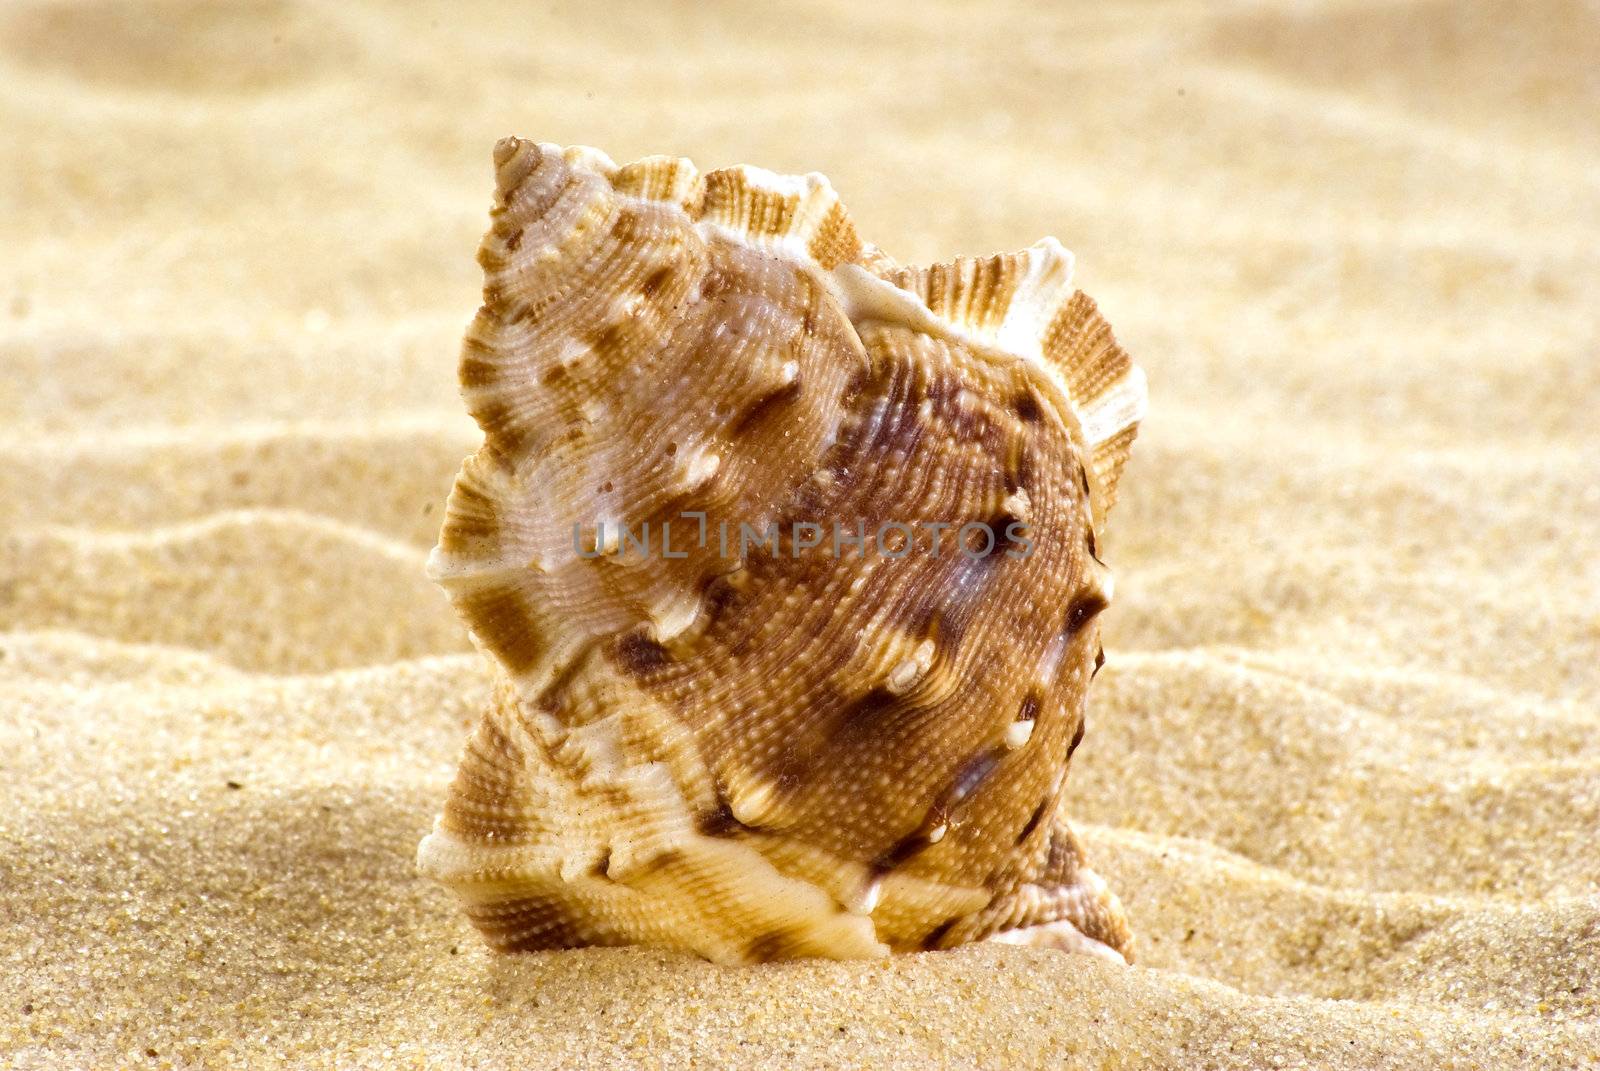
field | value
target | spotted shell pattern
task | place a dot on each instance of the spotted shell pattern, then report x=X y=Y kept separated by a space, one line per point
x=755 y=755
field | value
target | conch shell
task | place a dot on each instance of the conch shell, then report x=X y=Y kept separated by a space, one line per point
x=814 y=711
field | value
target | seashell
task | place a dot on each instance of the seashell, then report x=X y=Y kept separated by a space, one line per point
x=765 y=687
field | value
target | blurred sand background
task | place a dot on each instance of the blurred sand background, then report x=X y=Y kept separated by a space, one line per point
x=1342 y=763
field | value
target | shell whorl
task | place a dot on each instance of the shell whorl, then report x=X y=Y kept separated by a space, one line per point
x=784 y=750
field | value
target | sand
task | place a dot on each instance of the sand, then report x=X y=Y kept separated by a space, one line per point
x=1341 y=764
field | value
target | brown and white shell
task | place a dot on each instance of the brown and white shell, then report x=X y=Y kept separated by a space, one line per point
x=802 y=748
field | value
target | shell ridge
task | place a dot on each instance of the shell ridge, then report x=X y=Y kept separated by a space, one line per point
x=1023 y=304
x=1109 y=391
x=868 y=299
x=624 y=828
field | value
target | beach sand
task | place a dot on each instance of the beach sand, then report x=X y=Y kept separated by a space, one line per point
x=1341 y=765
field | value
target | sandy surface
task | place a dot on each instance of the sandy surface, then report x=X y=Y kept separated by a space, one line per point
x=1341 y=765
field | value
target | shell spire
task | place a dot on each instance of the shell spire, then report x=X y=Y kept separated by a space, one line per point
x=747 y=704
